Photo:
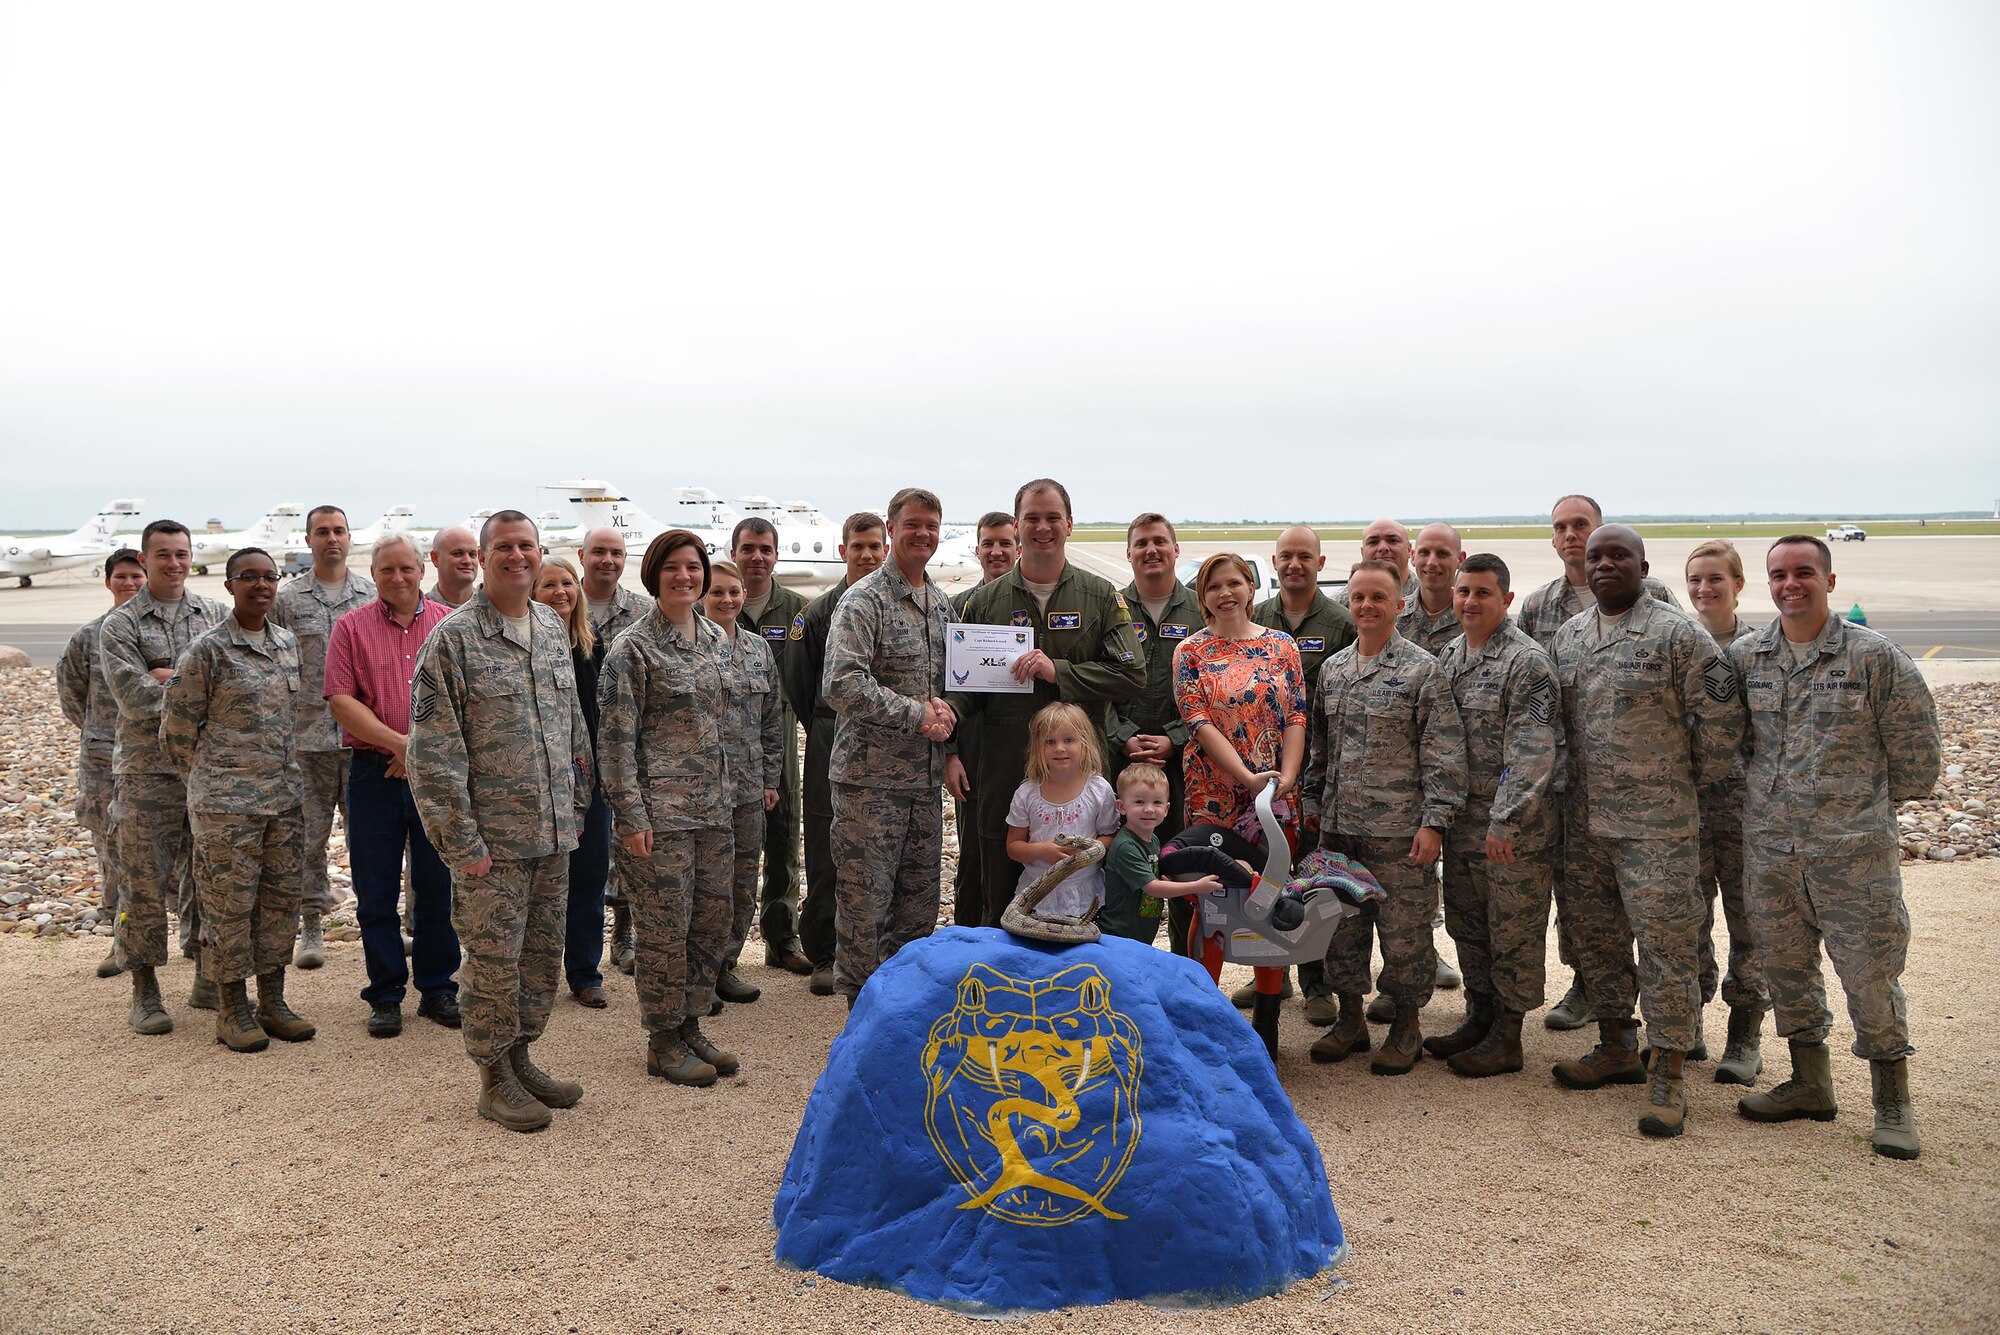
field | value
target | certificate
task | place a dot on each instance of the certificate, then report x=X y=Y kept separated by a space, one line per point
x=981 y=658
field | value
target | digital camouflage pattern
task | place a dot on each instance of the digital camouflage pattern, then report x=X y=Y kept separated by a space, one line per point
x=663 y=762
x=305 y=609
x=746 y=832
x=681 y=911
x=226 y=721
x=1721 y=809
x=1402 y=922
x=753 y=727
x=1836 y=742
x=247 y=872
x=884 y=663
x=510 y=927
x=887 y=845
x=153 y=846
x=499 y=757
x=133 y=640
x=1385 y=748
x=779 y=920
x=1429 y=633
x=627 y=609
x=1547 y=609
x=1651 y=714
x=1498 y=913
x=87 y=704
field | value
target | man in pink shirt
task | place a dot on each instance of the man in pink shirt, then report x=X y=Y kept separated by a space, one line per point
x=371 y=657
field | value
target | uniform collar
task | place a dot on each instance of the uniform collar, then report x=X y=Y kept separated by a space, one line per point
x=241 y=637
x=1391 y=656
x=705 y=631
x=493 y=623
x=307 y=581
x=1180 y=600
x=899 y=583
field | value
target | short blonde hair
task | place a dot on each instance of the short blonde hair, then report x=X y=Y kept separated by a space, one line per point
x=1719 y=547
x=581 y=637
x=1061 y=714
x=1134 y=775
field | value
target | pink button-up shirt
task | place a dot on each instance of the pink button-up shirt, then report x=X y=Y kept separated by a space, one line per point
x=373 y=659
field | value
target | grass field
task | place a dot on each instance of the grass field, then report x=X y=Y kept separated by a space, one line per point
x=1472 y=533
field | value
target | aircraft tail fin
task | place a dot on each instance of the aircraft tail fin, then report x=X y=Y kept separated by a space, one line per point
x=598 y=503
x=271 y=531
x=103 y=526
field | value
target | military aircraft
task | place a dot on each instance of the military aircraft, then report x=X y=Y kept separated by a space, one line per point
x=808 y=541
x=269 y=533
x=395 y=520
x=25 y=558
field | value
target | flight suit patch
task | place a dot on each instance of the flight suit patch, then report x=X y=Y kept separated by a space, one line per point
x=775 y=632
x=1173 y=631
x=1021 y=618
x=1312 y=644
x=798 y=631
x=1065 y=621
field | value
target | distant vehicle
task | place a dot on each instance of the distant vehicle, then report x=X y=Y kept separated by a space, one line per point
x=25 y=558
x=1330 y=583
x=297 y=563
x=1847 y=533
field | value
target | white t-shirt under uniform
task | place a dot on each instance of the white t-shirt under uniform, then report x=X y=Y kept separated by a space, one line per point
x=1091 y=813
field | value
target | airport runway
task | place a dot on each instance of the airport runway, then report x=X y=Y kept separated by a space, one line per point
x=1922 y=635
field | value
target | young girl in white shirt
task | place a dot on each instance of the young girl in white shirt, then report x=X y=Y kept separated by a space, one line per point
x=1064 y=793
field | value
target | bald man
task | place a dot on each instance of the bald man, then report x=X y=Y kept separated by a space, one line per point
x=455 y=554
x=1387 y=540
x=1651 y=714
x=1428 y=620
x=613 y=607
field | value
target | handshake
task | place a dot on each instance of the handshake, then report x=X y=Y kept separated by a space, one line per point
x=939 y=720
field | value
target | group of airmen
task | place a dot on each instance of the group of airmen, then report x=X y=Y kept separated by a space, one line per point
x=1602 y=751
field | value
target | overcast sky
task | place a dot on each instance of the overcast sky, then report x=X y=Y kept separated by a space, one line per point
x=1317 y=261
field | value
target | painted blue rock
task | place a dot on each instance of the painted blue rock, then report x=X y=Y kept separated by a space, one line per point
x=1006 y=1126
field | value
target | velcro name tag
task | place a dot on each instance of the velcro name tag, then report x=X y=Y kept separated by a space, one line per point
x=1171 y=631
x=1065 y=621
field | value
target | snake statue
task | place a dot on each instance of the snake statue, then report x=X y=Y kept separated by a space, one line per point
x=1020 y=917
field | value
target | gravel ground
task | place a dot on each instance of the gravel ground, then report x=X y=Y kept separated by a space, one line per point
x=169 y=1185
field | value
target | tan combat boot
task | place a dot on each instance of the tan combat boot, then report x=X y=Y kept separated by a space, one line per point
x=1497 y=1054
x=1743 y=1057
x=235 y=1027
x=502 y=1100
x=1244 y=997
x=541 y=1086
x=279 y=1020
x=1478 y=1019
x=1895 y=1134
x=725 y=1063
x=202 y=996
x=1382 y=1009
x=311 y=952
x=1667 y=1115
x=1404 y=1044
x=1572 y=1012
x=1348 y=1035
x=1809 y=1093
x=669 y=1058
x=109 y=967
x=1614 y=1061
x=148 y=1015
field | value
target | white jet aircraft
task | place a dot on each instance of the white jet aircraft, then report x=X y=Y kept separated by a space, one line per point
x=269 y=533
x=395 y=520
x=25 y=558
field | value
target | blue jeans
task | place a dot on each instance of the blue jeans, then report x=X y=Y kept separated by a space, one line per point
x=589 y=865
x=381 y=823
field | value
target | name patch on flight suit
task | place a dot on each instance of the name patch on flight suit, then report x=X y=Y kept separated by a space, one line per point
x=1173 y=631
x=777 y=632
x=1311 y=644
x=1065 y=621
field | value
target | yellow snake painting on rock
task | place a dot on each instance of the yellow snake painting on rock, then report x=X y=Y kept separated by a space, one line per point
x=1031 y=1094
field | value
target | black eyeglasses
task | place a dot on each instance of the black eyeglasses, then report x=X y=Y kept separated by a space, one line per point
x=255 y=577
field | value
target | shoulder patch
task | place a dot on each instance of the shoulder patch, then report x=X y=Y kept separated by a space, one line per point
x=1718 y=680
x=423 y=695
x=1542 y=701
x=1021 y=618
x=1119 y=598
x=798 y=630
x=1139 y=629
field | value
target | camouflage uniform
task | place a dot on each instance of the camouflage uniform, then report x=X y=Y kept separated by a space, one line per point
x=1156 y=714
x=665 y=766
x=500 y=766
x=627 y=608
x=1836 y=741
x=227 y=721
x=87 y=704
x=149 y=808
x=778 y=922
x=1322 y=632
x=1498 y=913
x=1650 y=713
x=1721 y=807
x=1385 y=757
x=754 y=735
x=1542 y=614
x=884 y=663
x=801 y=668
x=303 y=608
x=1429 y=633
x=1087 y=631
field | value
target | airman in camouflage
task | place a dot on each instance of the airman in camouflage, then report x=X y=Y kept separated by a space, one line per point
x=137 y=646
x=1544 y=612
x=1650 y=713
x=1498 y=860
x=500 y=771
x=87 y=704
x=1427 y=619
x=227 y=720
x=1842 y=729
x=613 y=610
x=1385 y=778
x=885 y=681
x=754 y=737
x=1086 y=653
x=666 y=768
x=308 y=605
